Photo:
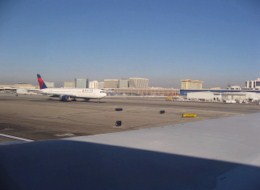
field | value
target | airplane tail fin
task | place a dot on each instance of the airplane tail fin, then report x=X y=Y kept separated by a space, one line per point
x=41 y=82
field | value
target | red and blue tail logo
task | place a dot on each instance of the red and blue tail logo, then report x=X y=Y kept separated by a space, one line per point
x=41 y=82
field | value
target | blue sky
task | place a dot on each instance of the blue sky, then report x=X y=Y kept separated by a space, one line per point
x=217 y=41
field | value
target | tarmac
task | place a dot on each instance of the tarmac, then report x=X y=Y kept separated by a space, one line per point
x=35 y=117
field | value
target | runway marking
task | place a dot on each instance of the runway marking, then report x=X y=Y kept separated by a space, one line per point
x=17 y=138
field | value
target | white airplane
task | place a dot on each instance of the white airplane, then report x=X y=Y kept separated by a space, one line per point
x=68 y=94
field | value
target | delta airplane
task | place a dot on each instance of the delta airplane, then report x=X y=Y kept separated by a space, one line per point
x=68 y=94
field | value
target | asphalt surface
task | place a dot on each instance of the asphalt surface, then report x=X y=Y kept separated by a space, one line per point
x=41 y=118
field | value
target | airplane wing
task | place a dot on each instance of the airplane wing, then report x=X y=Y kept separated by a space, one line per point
x=211 y=154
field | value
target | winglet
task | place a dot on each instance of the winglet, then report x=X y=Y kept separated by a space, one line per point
x=41 y=82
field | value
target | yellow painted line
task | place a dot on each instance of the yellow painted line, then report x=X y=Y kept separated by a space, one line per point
x=189 y=115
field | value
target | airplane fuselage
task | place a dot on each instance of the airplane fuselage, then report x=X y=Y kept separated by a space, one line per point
x=86 y=93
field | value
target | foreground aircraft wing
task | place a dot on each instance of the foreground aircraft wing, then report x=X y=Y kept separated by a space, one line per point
x=219 y=154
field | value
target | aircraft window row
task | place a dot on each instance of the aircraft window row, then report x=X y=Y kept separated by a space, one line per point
x=87 y=90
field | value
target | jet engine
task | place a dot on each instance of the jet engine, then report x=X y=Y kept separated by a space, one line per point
x=65 y=98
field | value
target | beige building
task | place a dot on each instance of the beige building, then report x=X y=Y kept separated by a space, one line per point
x=70 y=84
x=123 y=83
x=111 y=83
x=138 y=83
x=191 y=84
x=93 y=84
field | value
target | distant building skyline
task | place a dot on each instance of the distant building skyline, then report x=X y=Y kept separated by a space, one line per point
x=153 y=83
x=250 y=84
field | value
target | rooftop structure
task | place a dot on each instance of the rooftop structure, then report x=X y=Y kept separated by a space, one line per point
x=234 y=87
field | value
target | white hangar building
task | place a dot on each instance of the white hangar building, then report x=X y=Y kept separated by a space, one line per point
x=225 y=96
x=204 y=96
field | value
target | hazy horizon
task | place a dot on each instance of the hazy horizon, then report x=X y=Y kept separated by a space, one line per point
x=174 y=83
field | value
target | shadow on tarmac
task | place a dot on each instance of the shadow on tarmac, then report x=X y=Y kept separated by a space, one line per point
x=58 y=100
